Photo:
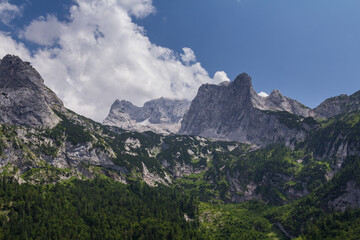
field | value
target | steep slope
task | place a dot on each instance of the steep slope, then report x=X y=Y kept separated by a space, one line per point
x=24 y=99
x=159 y=115
x=234 y=111
x=339 y=196
x=336 y=139
x=337 y=105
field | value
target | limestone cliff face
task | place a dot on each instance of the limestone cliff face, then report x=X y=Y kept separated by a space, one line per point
x=24 y=99
x=337 y=105
x=234 y=111
x=159 y=115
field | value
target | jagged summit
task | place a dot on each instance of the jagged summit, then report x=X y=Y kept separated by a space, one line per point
x=160 y=115
x=237 y=112
x=122 y=103
x=24 y=99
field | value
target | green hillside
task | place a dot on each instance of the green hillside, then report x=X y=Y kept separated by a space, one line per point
x=200 y=188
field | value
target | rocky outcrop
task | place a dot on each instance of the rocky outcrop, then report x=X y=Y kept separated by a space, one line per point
x=349 y=197
x=337 y=105
x=234 y=111
x=159 y=115
x=24 y=99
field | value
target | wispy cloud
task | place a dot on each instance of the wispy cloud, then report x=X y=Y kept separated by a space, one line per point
x=8 y=11
x=100 y=55
x=188 y=56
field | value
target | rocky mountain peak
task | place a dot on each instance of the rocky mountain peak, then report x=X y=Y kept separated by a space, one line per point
x=24 y=99
x=122 y=104
x=275 y=92
x=278 y=102
x=237 y=112
x=10 y=60
x=243 y=81
x=18 y=73
x=242 y=86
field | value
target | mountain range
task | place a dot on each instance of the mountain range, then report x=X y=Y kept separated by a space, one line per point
x=231 y=111
x=285 y=168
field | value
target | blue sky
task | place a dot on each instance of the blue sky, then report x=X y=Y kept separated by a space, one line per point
x=309 y=50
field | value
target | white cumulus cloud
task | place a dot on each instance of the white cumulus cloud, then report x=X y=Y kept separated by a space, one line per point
x=9 y=46
x=221 y=76
x=8 y=11
x=44 y=31
x=99 y=54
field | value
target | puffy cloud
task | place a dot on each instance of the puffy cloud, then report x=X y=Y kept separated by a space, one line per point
x=138 y=8
x=188 y=56
x=221 y=76
x=263 y=94
x=9 y=46
x=8 y=11
x=100 y=54
x=43 y=31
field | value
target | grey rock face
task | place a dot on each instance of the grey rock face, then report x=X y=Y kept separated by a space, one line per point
x=350 y=197
x=236 y=112
x=24 y=99
x=337 y=105
x=160 y=115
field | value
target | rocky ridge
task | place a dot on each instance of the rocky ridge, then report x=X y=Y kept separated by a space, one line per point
x=337 y=105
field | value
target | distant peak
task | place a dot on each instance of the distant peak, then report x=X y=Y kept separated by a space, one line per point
x=122 y=103
x=275 y=92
